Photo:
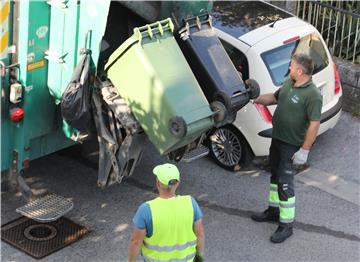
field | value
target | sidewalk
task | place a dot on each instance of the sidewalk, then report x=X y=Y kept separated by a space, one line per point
x=337 y=151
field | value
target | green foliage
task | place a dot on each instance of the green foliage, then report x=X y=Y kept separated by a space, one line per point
x=357 y=60
x=355 y=114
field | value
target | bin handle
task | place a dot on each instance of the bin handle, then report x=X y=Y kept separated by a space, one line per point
x=165 y=22
x=154 y=28
x=151 y=29
x=198 y=20
x=159 y=28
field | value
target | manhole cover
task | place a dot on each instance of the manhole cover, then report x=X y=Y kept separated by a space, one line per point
x=41 y=239
x=40 y=232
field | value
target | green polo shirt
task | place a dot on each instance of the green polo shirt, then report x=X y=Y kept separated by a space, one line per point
x=296 y=107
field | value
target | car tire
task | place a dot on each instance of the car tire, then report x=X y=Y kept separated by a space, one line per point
x=230 y=139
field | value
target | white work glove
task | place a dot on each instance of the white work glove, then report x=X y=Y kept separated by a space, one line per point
x=300 y=157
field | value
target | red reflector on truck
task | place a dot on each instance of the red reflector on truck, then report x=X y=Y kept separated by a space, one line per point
x=17 y=114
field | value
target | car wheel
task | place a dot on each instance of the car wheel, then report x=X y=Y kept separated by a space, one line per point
x=229 y=148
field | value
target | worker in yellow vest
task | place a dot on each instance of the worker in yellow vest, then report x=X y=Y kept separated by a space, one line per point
x=168 y=227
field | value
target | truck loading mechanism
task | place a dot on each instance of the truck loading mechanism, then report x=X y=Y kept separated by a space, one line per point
x=158 y=72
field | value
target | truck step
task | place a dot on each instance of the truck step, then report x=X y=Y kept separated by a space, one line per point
x=196 y=153
x=47 y=208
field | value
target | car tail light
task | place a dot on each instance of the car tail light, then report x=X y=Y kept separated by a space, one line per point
x=264 y=112
x=17 y=114
x=291 y=40
x=337 y=85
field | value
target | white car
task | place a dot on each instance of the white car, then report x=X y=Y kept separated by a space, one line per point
x=260 y=40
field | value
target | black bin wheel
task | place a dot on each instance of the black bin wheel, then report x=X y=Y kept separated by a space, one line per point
x=220 y=111
x=253 y=87
x=177 y=126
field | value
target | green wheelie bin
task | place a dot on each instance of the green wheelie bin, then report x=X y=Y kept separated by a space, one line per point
x=150 y=72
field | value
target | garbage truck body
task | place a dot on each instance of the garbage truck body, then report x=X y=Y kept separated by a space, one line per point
x=141 y=83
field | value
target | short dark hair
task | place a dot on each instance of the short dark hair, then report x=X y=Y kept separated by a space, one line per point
x=305 y=61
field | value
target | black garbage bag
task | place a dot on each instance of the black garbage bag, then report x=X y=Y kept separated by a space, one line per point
x=76 y=99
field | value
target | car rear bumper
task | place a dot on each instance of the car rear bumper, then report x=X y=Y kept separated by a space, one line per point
x=326 y=116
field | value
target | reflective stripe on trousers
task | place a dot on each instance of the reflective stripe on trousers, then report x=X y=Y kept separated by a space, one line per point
x=273 y=196
x=287 y=210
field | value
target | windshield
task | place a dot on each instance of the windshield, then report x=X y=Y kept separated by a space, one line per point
x=277 y=60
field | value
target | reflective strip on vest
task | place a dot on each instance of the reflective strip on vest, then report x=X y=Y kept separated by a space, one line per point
x=170 y=248
x=273 y=196
x=185 y=259
x=287 y=210
x=273 y=187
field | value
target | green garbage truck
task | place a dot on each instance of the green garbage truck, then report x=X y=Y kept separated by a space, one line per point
x=115 y=70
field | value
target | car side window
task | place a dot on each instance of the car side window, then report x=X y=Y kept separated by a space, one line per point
x=238 y=58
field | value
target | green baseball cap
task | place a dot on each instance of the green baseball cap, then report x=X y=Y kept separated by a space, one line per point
x=168 y=174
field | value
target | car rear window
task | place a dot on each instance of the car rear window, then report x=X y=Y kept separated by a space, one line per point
x=278 y=59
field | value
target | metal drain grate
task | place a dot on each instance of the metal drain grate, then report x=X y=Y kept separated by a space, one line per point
x=47 y=208
x=41 y=239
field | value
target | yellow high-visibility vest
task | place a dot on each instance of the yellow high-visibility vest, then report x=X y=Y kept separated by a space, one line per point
x=173 y=237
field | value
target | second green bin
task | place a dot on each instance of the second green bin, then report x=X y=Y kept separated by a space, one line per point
x=152 y=75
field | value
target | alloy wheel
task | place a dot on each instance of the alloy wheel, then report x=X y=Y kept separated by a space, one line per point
x=226 y=146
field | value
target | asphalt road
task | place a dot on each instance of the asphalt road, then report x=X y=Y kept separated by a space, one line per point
x=327 y=225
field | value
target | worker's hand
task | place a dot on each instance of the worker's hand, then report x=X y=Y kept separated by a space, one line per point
x=300 y=157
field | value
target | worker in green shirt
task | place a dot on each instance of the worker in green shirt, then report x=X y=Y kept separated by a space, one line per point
x=296 y=123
